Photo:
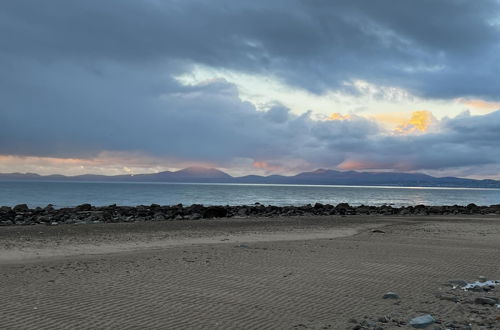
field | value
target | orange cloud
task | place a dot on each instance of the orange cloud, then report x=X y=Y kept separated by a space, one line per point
x=481 y=104
x=419 y=122
x=338 y=116
x=266 y=166
x=365 y=165
x=353 y=165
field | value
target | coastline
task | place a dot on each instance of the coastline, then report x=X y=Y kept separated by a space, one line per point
x=87 y=214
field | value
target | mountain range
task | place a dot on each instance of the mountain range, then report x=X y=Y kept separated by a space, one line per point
x=318 y=177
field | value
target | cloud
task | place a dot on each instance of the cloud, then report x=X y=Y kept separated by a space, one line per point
x=419 y=122
x=82 y=78
x=440 y=49
x=463 y=141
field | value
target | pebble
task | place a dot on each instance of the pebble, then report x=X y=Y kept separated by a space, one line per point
x=378 y=231
x=422 y=322
x=390 y=295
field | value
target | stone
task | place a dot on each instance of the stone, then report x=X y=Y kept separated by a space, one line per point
x=485 y=301
x=83 y=207
x=21 y=208
x=368 y=324
x=384 y=319
x=159 y=217
x=195 y=216
x=390 y=295
x=215 y=212
x=422 y=322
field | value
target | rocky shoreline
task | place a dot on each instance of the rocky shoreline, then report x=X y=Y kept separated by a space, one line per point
x=87 y=214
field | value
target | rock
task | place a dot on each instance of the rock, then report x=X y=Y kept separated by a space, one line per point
x=215 y=212
x=21 y=208
x=485 y=301
x=390 y=295
x=422 y=322
x=384 y=319
x=195 y=216
x=476 y=289
x=114 y=213
x=318 y=206
x=378 y=231
x=83 y=207
x=482 y=279
x=159 y=217
x=368 y=324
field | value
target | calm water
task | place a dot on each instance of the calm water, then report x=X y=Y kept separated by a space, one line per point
x=63 y=194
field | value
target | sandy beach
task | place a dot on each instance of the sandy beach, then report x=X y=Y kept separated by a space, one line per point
x=327 y=272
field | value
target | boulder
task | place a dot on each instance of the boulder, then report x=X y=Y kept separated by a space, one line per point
x=215 y=212
x=83 y=207
x=21 y=208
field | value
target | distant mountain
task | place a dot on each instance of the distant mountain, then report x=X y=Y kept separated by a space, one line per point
x=318 y=177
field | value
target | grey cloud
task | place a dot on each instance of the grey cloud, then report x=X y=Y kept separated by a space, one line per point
x=462 y=141
x=435 y=48
x=65 y=110
x=80 y=77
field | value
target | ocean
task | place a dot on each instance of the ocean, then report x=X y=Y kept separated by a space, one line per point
x=63 y=194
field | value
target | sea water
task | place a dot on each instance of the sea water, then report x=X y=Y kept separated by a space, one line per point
x=62 y=194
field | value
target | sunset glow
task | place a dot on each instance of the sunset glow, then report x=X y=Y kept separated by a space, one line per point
x=418 y=123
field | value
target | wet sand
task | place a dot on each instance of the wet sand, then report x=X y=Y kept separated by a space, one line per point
x=254 y=273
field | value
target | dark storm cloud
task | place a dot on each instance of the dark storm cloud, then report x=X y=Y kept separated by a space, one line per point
x=436 y=48
x=80 y=77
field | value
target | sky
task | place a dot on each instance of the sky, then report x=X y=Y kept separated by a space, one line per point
x=250 y=87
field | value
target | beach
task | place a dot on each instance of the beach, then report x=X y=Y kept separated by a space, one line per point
x=308 y=272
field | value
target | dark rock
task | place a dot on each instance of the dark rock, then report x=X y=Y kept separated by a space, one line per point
x=83 y=207
x=21 y=208
x=215 y=212
x=390 y=295
x=485 y=301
